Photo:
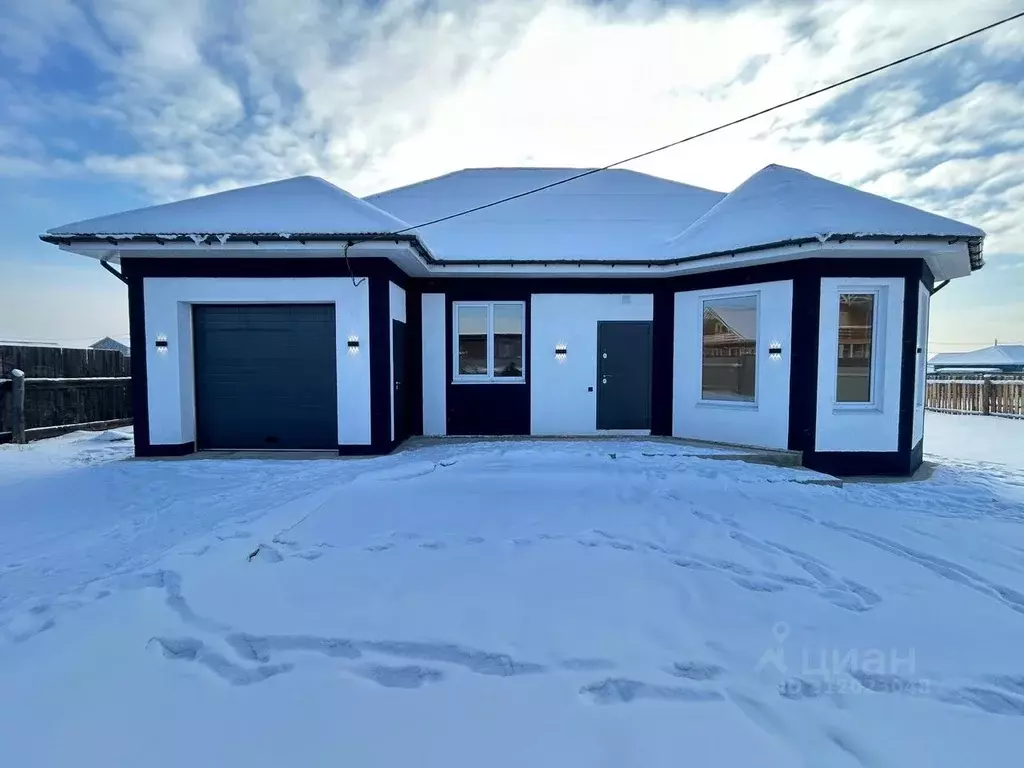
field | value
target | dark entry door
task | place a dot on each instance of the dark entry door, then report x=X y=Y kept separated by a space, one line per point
x=624 y=375
x=265 y=376
x=398 y=365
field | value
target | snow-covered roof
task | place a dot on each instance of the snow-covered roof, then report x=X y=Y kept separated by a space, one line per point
x=614 y=215
x=608 y=216
x=302 y=205
x=994 y=356
x=782 y=205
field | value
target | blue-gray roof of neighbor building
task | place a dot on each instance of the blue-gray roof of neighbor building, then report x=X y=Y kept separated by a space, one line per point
x=994 y=356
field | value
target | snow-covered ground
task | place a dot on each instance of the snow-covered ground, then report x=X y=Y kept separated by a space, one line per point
x=614 y=603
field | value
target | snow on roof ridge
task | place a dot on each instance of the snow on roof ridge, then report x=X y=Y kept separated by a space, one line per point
x=706 y=226
x=108 y=224
x=569 y=170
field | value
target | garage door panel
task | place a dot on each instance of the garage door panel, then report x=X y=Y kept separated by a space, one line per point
x=266 y=376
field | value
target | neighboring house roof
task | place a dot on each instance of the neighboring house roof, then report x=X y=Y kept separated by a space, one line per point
x=781 y=205
x=989 y=357
x=302 y=205
x=614 y=215
x=742 y=322
x=113 y=345
x=607 y=216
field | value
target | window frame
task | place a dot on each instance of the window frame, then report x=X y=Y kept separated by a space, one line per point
x=719 y=402
x=875 y=380
x=489 y=377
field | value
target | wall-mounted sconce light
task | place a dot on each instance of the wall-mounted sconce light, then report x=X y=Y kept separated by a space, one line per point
x=353 y=345
x=161 y=343
x=775 y=350
x=560 y=352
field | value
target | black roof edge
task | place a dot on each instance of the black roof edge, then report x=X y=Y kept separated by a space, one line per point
x=411 y=240
x=974 y=247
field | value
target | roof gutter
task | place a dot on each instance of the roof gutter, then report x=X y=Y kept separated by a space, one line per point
x=974 y=247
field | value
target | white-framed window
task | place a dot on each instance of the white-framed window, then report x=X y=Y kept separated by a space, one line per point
x=922 y=345
x=489 y=341
x=858 y=353
x=729 y=349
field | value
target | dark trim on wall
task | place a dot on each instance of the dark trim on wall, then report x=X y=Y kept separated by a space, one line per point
x=803 y=362
x=908 y=365
x=265 y=267
x=380 y=364
x=360 y=450
x=414 y=359
x=166 y=449
x=662 y=361
x=137 y=340
x=857 y=463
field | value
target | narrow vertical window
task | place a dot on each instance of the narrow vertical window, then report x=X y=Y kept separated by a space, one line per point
x=854 y=379
x=508 y=340
x=729 y=349
x=472 y=330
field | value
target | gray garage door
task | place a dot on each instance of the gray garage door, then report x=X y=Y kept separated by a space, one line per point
x=265 y=376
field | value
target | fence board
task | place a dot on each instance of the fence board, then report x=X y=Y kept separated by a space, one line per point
x=65 y=386
x=989 y=394
x=62 y=362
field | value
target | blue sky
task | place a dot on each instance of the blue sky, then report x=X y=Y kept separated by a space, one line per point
x=113 y=104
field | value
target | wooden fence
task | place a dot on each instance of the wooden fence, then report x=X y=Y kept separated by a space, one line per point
x=62 y=363
x=985 y=395
x=64 y=389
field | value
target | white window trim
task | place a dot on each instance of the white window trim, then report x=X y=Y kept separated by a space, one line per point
x=716 y=402
x=485 y=378
x=921 y=372
x=879 y=312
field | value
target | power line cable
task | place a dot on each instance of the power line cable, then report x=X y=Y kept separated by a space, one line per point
x=723 y=126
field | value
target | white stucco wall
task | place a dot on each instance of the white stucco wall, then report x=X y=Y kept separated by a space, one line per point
x=434 y=366
x=560 y=403
x=170 y=373
x=764 y=422
x=396 y=299
x=861 y=427
x=923 y=321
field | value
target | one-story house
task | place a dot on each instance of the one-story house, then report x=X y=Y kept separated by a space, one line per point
x=999 y=358
x=790 y=313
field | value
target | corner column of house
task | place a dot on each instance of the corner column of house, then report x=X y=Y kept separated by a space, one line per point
x=662 y=362
x=380 y=365
x=137 y=340
x=808 y=345
x=414 y=357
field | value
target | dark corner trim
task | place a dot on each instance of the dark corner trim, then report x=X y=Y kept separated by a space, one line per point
x=168 y=449
x=856 y=463
x=140 y=386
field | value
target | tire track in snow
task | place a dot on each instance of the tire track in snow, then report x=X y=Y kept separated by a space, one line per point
x=947 y=569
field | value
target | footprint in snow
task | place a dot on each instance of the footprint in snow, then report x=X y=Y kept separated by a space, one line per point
x=411 y=676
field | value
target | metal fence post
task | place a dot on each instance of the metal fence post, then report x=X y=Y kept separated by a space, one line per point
x=18 y=406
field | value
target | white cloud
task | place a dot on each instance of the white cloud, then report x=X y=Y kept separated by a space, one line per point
x=214 y=94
